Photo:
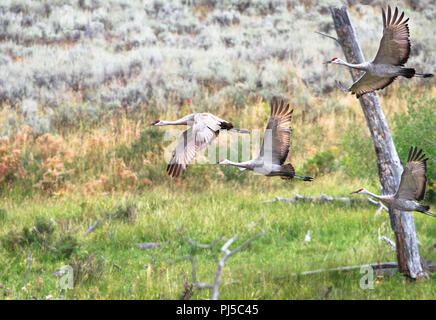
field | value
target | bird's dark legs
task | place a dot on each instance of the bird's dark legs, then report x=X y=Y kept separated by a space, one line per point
x=304 y=178
x=431 y=214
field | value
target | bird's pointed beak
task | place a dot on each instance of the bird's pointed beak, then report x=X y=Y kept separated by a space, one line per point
x=327 y=62
x=151 y=124
x=219 y=162
x=354 y=192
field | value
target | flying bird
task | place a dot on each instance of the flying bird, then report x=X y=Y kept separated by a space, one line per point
x=388 y=64
x=204 y=128
x=412 y=186
x=275 y=146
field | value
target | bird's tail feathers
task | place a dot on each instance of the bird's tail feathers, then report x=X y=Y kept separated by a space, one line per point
x=340 y=86
x=294 y=175
x=290 y=168
x=226 y=125
x=424 y=75
x=408 y=72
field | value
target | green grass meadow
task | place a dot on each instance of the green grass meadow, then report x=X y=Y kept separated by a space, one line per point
x=108 y=265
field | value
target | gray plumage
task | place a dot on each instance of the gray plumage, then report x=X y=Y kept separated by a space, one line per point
x=204 y=128
x=388 y=64
x=275 y=146
x=412 y=185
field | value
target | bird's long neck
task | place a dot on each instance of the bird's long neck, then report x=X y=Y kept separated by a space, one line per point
x=382 y=198
x=245 y=165
x=372 y=194
x=359 y=66
x=187 y=120
x=182 y=121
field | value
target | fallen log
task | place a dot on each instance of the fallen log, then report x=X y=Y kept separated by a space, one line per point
x=325 y=198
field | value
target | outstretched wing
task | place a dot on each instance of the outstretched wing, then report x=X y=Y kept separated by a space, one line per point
x=205 y=128
x=395 y=44
x=276 y=140
x=414 y=179
x=196 y=138
x=369 y=83
x=184 y=153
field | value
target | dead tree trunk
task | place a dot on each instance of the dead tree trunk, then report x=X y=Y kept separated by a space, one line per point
x=389 y=165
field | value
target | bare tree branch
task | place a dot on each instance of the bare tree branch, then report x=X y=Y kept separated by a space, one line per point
x=150 y=245
x=378 y=267
x=385 y=268
x=92 y=228
x=187 y=257
x=203 y=246
x=321 y=198
x=225 y=247
x=228 y=253
x=389 y=242
x=324 y=198
x=382 y=265
x=328 y=36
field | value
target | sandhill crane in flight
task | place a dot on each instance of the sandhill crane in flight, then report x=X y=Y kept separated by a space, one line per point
x=275 y=146
x=412 y=186
x=388 y=64
x=204 y=128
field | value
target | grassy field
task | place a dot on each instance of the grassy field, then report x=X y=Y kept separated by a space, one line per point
x=80 y=81
x=342 y=235
x=57 y=185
